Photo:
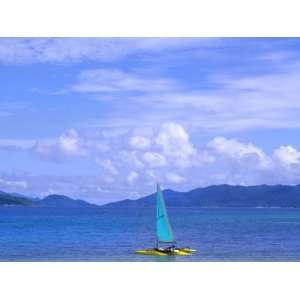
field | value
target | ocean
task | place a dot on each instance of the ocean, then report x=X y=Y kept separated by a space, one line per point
x=110 y=234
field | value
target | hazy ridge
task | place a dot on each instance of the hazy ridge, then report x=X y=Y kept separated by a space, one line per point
x=212 y=196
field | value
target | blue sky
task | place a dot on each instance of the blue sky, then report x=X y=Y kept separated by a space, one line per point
x=103 y=119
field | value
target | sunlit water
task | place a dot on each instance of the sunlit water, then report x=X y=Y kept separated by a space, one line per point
x=43 y=234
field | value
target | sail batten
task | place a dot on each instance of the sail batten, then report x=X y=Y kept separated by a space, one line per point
x=163 y=227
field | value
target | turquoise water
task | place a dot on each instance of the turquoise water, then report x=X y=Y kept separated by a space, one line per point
x=43 y=234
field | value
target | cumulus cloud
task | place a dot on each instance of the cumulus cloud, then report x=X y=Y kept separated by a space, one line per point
x=169 y=156
x=239 y=151
x=174 y=141
x=108 y=166
x=132 y=177
x=139 y=142
x=154 y=159
x=174 y=178
x=287 y=156
x=68 y=145
x=132 y=158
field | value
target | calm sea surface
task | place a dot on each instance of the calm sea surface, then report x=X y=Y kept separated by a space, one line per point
x=44 y=234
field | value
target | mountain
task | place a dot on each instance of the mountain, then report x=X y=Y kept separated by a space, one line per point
x=60 y=201
x=223 y=196
x=212 y=196
x=54 y=201
x=26 y=197
x=9 y=199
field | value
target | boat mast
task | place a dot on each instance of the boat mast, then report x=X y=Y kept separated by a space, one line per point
x=157 y=190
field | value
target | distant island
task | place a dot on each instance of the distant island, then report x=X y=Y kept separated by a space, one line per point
x=222 y=196
x=53 y=201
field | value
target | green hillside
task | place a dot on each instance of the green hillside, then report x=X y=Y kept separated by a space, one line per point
x=7 y=199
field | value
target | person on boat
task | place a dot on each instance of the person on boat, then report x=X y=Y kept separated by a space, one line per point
x=171 y=248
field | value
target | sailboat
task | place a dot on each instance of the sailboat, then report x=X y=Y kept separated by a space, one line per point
x=164 y=232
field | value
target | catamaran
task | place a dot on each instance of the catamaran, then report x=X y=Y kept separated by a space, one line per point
x=164 y=232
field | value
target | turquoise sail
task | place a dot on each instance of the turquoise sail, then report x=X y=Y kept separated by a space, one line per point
x=163 y=228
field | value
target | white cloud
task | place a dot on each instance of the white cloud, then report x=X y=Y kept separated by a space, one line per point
x=66 y=146
x=139 y=142
x=175 y=178
x=25 y=50
x=132 y=158
x=174 y=141
x=32 y=50
x=132 y=177
x=172 y=158
x=287 y=156
x=13 y=184
x=236 y=103
x=70 y=144
x=154 y=159
x=109 y=166
x=239 y=151
x=109 y=81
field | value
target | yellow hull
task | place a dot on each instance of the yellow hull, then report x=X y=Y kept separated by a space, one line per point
x=165 y=252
